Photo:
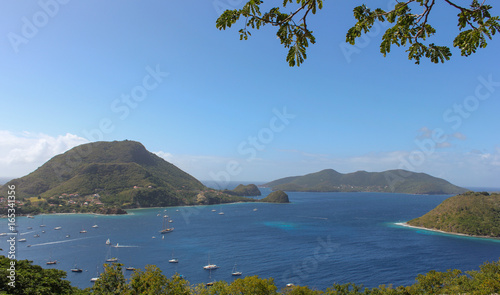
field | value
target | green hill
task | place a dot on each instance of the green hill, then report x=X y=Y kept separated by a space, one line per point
x=276 y=197
x=395 y=181
x=469 y=213
x=119 y=173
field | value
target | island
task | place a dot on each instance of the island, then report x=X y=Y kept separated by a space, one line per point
x=276 y=197
x=391 y=181
x=241 y=190
x=108 y=177
x=471 y=213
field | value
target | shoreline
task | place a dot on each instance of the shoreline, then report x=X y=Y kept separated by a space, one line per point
x=404 y=224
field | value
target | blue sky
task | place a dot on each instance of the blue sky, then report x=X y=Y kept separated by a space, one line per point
x=159 y=72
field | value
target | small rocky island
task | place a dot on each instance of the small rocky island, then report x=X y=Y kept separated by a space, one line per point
x=276 y=197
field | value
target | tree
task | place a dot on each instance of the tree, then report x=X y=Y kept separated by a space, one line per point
x=151 y=281
x=409 y=29
x=32 y=279
x=111 y=281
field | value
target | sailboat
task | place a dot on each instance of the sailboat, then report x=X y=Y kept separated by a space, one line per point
x=235 y=272
x=166 y=229
x=173 y=260
x=93 y=280
x=112 y=259
x=95 y=225
x=42 y=225
x=210 y=266
x=76 y=269
x=210 y=283
x=108 y=242
x=83 y=231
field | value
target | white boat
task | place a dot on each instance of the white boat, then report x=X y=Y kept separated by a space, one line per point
x=130 y=268
x=210 y=266
x=116 y=246
x=235 y=272
x=42 y=225
x=94 y=279
x=221 y=213
x=108 y=242
x=95 y=226
x=67 y=236
x=83 y=231
x=22 y=240
x=173 y=260
x=166 y=229
x=113 y=259
x=57 y=228
x=51 y=262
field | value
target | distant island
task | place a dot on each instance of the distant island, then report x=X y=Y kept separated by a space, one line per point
x=391 y=181
x=471 y=213
x=241 y=190
x=107 y=177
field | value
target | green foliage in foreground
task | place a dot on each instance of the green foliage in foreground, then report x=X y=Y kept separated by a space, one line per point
x=32 y=279
x=469 y=213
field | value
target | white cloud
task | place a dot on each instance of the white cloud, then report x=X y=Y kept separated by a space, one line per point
x=22 y=153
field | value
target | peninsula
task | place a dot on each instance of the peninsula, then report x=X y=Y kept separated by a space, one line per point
x=471 y=213
x=391 y=181
x=106 y=177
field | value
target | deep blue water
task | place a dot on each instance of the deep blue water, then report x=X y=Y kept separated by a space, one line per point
x=317 y=240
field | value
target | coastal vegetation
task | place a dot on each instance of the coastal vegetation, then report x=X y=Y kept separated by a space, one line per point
x=33 y=279
x=391 y=181
x=471 y=213
x=108 y=177
x=276 y=197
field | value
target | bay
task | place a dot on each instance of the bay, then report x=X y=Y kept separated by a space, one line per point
x=317 y=240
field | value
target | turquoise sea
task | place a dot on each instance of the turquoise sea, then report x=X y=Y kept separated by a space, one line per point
x=317 y=240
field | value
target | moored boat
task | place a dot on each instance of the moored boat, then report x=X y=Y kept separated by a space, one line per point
x=235 y=272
